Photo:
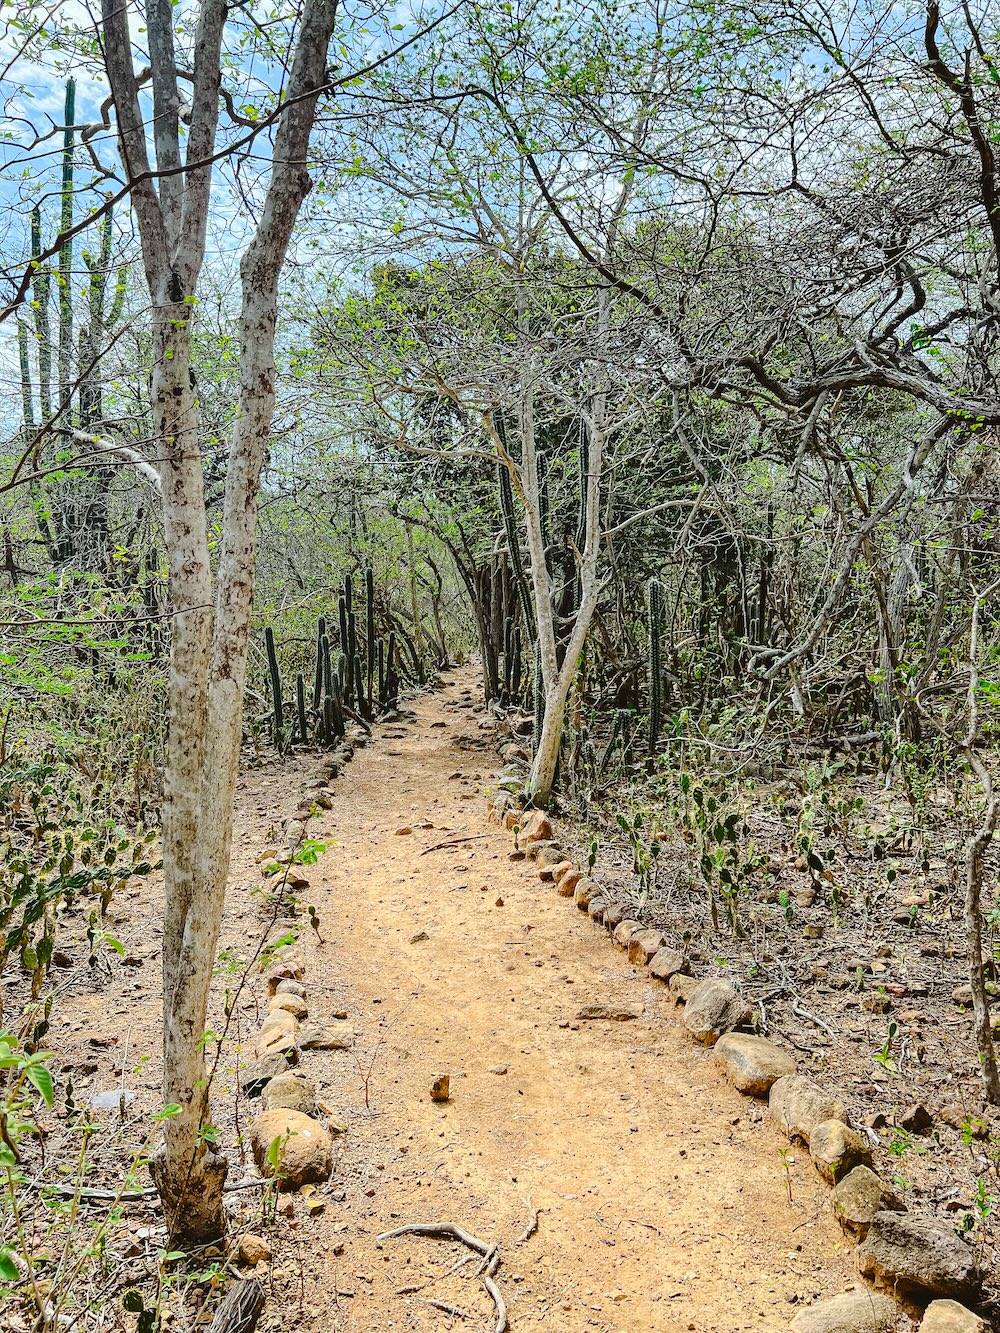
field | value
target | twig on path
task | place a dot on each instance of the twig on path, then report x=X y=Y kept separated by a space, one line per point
x=471 y=837
x=449 y=1231
x=442 y=1305
x=531 y=1228
x=799 y=1012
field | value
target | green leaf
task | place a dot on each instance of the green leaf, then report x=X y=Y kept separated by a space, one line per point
x=8 y=1268
x=42 y=1079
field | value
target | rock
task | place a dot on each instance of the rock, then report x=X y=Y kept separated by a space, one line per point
x=441 y=1088
x=918 y=1254
x=273 y=1042
x=283 y=972
x=876 y=1002
x=666 y=963
x=624 y=931
x=950 y=1317
x=797 y=1104
x=251 y=1250
x=958 y=1117
x=548 y=860
x=291 y=1004
x=916 y=1119
x=752 y=1064
x=584 y=890
x=290 y=1092
x=853 y=1312
x=330 y=1037
x=255 y=1078
x=714 y=1007
x=683 y=987
x=566 y=884
x=857 y=1197
x=614 y=915
x=279 y=1020
x=597 y=909
x=536 y=827
x=289 y=987
x=643 y=945
x=305 y=1154
x=614 y=1013
x=836 y=1149
x=963 y=995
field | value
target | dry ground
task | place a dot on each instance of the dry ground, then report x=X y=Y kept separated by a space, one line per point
x=665 y=1201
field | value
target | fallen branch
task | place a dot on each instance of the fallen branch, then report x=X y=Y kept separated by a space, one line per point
x=241 y=1309
x=449 y=1231
x=799 y=1012
x=531 y=1228
x=443 y=1305
x=471 y=837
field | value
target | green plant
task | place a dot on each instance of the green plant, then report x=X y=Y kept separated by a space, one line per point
x=884 y=1057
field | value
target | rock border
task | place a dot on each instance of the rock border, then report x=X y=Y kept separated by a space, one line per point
x=906 y=1256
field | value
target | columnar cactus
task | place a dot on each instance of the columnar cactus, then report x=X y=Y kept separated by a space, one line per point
x=654 y=616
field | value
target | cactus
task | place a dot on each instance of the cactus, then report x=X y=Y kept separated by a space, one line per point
x=391 y=673
x=654 y=614
x=381 y=673
x=300 y=707
x=539 y=697
x=342 y=618
x=318 y=681
x=277 y=703
x=359 y=692
x=336 y=711
x=370 y=635
x=542 y=472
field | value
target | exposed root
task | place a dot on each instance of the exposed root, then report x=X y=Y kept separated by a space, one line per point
x=449 y=1231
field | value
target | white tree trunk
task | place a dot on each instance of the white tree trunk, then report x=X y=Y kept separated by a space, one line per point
x=209 y=639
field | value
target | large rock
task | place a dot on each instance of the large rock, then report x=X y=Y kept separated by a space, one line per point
x=280 y=1020
x=289 y=1004
x=918 y=1254
x=666 y=963
x=752 y=1064
x=950 y=1317
x=585 y=891
x=548 y=859
x=682 y=987
x=536 y=827
x=797 y=1105
x=291 y=1092
x=597 y=908
x=643 y=945
x=624 y=931
x=614 y=914
x=305 y=1149
x=256 y=1076
x=836 y=1149
x=714 y=1008
x=566 y=884
x=858 y=1197
x=853 y=1312
x=330 y=1037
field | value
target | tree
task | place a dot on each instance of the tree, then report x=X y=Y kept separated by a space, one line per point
x=210 y=613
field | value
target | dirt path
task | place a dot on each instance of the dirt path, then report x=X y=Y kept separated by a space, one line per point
x=662 y=1193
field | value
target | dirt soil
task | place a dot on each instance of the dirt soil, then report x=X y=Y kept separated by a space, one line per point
x=664 y=1200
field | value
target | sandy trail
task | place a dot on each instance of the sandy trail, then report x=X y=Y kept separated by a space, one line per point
x=662 y=1193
